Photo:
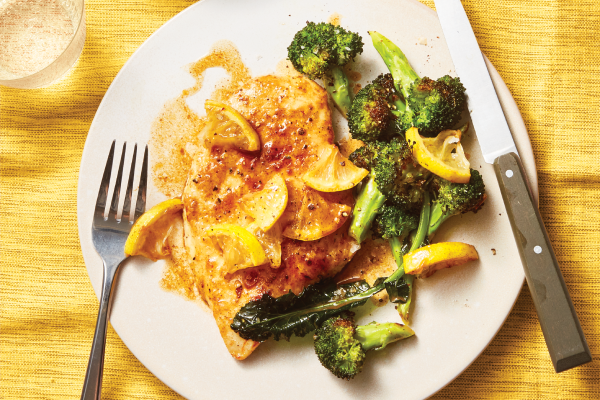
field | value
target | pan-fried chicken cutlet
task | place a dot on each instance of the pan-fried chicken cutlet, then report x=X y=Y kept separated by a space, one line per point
x=292 y=119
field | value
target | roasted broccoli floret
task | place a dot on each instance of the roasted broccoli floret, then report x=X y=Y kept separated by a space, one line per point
x=399 y=176
x=363 y=156
x=371 y=116
x=394 y=224
x=319 y=50
x=393 y=221
x=430 y=105
x=342 y=346
x=455 y=198
x=394 y=177
x=318 y=47
x=434 y=105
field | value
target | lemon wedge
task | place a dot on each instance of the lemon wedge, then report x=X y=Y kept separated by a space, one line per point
x=333 y=172
x=316 y=217
x=443 y=155
x=424 y=261
x=270 y=241
x=145 y=226
x=226 y=126
x=241 y=249
x=267 y=205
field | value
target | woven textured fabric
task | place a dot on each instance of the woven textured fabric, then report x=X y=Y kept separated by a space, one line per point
x=546 y=51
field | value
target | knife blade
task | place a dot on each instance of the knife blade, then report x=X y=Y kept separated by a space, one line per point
x=562 y=331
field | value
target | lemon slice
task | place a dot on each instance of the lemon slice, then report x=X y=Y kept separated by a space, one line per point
x=151 y=225
x=267 y=205
x=241 y=249
x=443 y=155
x=425 y=261
x=270 y=241
x=333 y=172
x=316 y=217
x=226 y=126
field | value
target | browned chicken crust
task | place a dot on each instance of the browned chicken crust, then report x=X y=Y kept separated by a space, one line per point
x=292 y=119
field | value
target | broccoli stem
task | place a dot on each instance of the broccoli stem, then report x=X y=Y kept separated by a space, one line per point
x=418 y=237
x=438 y=217
x=417 y=241
x=396 y=62
x=336 y=83
x=378 y=335
x=396 y=246
x=399 y=107
x=404 y=309
x=369 y=200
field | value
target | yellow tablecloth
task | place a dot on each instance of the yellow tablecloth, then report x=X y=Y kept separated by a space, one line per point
x=546 y=51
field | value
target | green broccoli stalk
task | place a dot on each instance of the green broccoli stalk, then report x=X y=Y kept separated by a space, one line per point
x=366 y=208
x=455 y=198
x=403 y=74
x=430 y=105
x=318 y=50
x=418 y=238
x=338 y=87
x=395 y=177
x=342 y=346
x=372 y=114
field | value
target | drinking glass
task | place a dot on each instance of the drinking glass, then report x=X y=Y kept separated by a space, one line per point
x=39 y=40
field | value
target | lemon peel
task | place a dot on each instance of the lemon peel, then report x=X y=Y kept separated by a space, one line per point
x=316 y=217
x=443 y=155
x=267 y=205
x=241 y=249
x=140 y=229
x=426 y=260
x=333 y=172
x=227 y=126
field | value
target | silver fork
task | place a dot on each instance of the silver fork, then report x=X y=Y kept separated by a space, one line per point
x=109 y=235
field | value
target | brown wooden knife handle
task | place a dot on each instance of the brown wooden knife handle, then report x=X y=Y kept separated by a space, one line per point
x=562 y=331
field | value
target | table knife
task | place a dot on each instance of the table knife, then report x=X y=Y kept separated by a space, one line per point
x=565 y=339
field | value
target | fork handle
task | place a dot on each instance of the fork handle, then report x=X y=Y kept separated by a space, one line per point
x=92 y=386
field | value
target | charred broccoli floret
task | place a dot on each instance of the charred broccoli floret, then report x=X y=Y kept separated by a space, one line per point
x=363 y=156
x=318 y=47
x=319 y=50
x=394 y=224
x=395 y=177
x=430 y=105
x=342 y=346
x=399 y=176
x=393 y=221
x=371 y=116
x=455 y=198
x=434 y=105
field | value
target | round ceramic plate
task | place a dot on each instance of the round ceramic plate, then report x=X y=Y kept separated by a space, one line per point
x=457 y=311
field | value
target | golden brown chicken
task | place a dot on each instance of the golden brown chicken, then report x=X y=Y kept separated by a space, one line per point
x=292 y=119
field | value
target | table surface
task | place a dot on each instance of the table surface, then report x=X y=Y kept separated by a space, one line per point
x=548 y=55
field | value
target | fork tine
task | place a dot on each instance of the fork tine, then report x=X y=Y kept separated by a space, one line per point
x=117 y=192
x=140 y=204
x=127 y=203
x=104 y=185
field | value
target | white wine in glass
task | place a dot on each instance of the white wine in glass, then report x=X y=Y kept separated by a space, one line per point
x=39 y=40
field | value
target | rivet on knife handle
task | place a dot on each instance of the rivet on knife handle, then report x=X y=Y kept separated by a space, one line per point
x=560 y=326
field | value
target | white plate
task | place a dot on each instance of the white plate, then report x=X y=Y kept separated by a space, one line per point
x=458 y=311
